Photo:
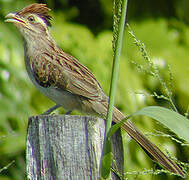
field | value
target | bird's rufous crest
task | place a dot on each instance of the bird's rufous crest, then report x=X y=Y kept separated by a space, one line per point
x=39 y=9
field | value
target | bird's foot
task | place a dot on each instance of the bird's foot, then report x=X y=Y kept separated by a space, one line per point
x=49 y=111
x=68 y=112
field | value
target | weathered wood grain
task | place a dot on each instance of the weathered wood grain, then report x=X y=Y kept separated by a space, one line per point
x=67 y=148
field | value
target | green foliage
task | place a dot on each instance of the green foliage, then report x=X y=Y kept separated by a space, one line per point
x=172 y=120
x=107 y=158
x=118 y=32
x=166 y=50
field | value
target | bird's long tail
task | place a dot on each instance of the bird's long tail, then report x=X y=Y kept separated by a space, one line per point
x=151 y=149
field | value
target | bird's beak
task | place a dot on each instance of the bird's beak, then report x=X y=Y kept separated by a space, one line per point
x=14 y=18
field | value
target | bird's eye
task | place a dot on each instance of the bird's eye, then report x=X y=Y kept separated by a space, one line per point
x=31 y=19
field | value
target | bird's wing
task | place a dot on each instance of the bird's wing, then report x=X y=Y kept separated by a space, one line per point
x=63 y=71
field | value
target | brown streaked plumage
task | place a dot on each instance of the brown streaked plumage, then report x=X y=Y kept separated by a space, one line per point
x=62 y=78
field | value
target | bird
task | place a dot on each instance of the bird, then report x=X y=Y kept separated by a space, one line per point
x=67 y=82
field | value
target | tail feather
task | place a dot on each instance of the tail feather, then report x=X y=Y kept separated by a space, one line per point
x=151 y=149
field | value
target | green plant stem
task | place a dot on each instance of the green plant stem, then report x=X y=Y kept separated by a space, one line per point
x=154 y=69
x=116 y=62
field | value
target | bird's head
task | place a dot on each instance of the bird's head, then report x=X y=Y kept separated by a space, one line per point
x=32 y=20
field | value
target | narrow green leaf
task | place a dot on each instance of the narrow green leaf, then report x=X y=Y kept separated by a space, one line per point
x=171 y=119
x=107 y=158
x=116 y=60
x=115 y=127
x=107 y=153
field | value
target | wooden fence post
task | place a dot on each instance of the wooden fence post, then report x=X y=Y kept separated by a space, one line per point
x=63 y=147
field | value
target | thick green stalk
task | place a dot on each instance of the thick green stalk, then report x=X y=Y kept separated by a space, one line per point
x=116 y=62
x=106 y=162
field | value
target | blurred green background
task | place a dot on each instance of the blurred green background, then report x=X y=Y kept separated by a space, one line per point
x=84 y=29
